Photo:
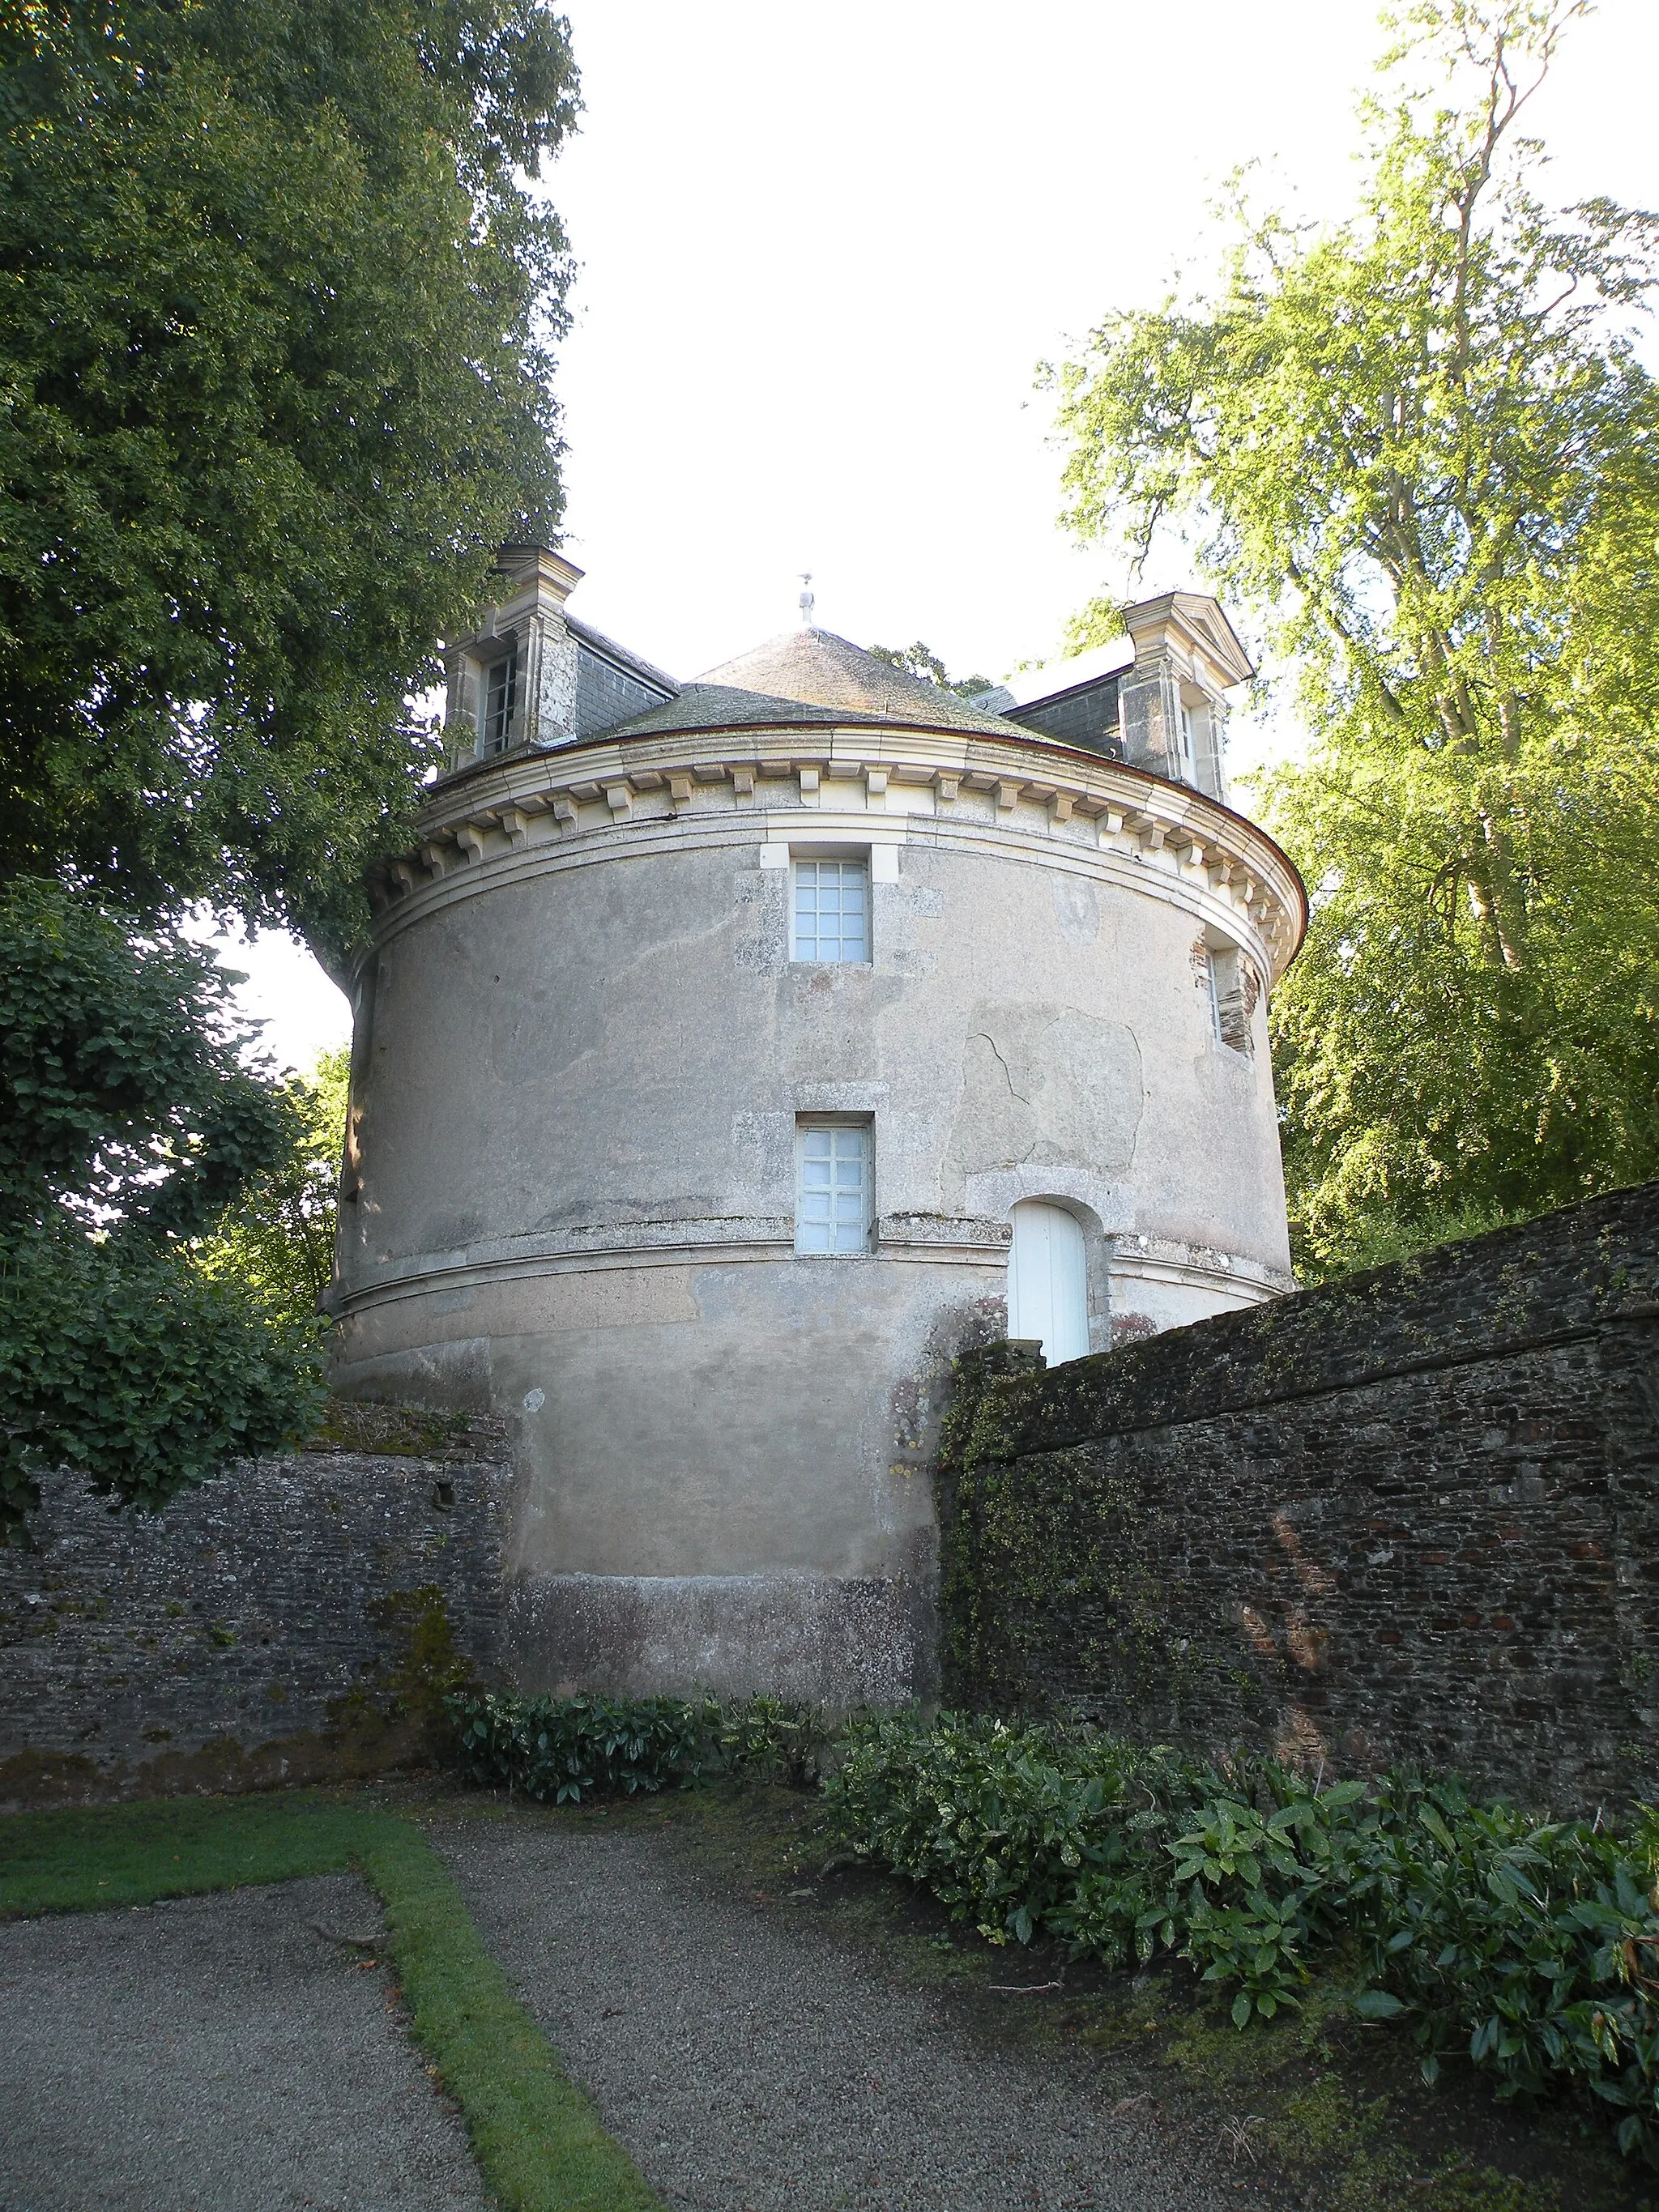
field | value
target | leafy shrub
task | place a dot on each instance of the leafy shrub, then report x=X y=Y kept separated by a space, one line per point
x=1016 y=1829
x=123 y=1361
x=561 y=1750
x=564 y=1749
x=1534 y=1945
x=770 y=1740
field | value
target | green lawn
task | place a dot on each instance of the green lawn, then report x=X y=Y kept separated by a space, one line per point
x=537 y=2140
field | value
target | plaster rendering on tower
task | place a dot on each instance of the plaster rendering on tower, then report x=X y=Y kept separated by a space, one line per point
x=732 y=1055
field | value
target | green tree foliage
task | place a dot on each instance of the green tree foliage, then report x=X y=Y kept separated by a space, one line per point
x=926 y=667
x=278 y=1238
x=128 y=1124
x=277 y=309
x=1419 y=440
x=1097 y=622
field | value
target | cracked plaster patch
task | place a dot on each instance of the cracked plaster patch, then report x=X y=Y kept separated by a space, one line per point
x=1044 y=1084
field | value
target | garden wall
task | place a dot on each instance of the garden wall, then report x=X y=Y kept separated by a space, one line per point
x=291 y=1620
x=1410 y=1515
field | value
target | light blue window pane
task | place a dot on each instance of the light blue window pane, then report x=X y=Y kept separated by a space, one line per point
x=833 y=1194
x=829 y=909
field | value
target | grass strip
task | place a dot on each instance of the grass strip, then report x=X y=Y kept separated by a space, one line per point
x=536 y=2136
x=537 y=2140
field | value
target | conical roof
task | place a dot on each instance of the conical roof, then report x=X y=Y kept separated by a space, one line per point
x=813 y=676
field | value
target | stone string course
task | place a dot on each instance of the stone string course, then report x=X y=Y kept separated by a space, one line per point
x=1412 y=1516
x=257 y=1630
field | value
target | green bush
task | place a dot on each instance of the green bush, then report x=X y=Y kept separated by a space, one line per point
x=123 y=1361
x=561 y=1750
x=770 y=1740
x=564 y=1749
x=1534 y=1945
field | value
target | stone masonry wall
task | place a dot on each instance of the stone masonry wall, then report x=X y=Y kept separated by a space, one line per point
x=1412 y=1515
x=283 y=1622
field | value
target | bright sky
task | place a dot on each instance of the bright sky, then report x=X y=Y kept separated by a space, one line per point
x=821 y=251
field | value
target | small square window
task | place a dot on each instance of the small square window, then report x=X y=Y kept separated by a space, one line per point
x=833 y=1186
x=831 y=910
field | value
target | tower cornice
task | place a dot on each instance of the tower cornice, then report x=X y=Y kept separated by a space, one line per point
x=532 y=811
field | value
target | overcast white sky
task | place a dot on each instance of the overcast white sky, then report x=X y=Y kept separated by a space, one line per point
x=821 y=250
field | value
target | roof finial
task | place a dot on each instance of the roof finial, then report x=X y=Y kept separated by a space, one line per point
x=807 y=602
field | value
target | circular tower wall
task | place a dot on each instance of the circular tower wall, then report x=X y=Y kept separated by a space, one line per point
x=591 y=1074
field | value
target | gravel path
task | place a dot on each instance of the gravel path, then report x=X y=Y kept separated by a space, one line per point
x=212 y=2054
x=749 y=2063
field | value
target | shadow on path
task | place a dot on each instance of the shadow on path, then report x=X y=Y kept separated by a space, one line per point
x=747 y=2066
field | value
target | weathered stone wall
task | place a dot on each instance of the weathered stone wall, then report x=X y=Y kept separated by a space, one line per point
x=1411 y=1516
x=288 y=1620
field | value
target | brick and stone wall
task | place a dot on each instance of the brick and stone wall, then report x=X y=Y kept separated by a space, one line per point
x=1411 y=1516
x=288 y=1620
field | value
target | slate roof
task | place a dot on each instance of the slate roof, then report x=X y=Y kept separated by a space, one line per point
x=812 y=676
x=656 y=678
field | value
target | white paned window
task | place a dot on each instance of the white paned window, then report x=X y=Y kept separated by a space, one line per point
x=1048 y=1281
x=832 y=902
x=500 y=690
x=833 y=1186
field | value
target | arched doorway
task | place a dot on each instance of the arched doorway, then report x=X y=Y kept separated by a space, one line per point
x=1048 y=1280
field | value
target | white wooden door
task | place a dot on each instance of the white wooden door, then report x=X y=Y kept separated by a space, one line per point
x=1048 y=1281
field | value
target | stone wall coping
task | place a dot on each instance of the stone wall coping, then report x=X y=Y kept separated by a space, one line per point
x=387 y=1429
x=1565 y=1275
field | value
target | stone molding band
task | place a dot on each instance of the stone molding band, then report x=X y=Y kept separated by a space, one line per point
x=1145 y=1260
x=530 y=813
x=977 y=1244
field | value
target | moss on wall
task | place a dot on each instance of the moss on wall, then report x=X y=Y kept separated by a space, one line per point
x=1414 y=1516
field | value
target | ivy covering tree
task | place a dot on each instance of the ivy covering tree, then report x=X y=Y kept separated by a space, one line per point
x=276 y=314
x=1421 y=444
x=129 y=1124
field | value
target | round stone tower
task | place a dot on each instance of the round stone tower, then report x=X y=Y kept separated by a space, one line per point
x=731 y=1055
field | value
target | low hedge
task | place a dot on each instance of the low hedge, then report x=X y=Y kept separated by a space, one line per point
x=561 y=1750
x=1533 y=1944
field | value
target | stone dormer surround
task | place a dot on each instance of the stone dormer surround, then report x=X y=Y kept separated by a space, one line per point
x=529 y=618
x=1172 y=700
x=503 y=818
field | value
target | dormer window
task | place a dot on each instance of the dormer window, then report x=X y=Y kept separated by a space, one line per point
x=500 y=697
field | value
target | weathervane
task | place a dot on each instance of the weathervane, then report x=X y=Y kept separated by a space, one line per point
x=807 y=602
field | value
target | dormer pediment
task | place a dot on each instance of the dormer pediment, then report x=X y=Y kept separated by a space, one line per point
x=1195 y=623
